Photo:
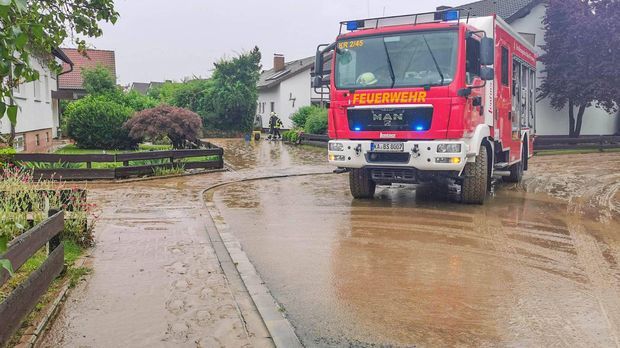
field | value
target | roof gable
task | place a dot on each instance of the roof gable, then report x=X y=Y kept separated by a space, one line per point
x=270 y=78
x=93 y=58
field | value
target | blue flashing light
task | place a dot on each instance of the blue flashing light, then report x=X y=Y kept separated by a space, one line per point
x=352 y=25
x=419 y=128
x=451 y=15
x=357 y=129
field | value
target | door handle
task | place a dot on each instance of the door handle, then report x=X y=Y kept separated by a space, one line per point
x=477 y=101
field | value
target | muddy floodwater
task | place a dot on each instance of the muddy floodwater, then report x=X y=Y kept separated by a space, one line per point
x=538 y=265
x=412 y=268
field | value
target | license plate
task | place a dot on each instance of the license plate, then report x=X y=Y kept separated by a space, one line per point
x=387 y=147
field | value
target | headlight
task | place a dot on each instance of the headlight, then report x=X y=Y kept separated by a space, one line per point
x=336 y=146
x=449 y=148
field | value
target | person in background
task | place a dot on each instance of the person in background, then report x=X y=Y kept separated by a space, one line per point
x=277 y=128
x=272 y=125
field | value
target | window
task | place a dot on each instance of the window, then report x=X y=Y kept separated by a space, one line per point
x=504 y=66
x=37 y=140
x=273 y=106
x=19 y=143
x=37 y=90
x=47 y=137
x=426 y=58
x=472 y=63
x=47 y=91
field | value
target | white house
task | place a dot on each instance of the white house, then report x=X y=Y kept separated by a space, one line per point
x=526 y=17
x=285 y=88
x=37 y=117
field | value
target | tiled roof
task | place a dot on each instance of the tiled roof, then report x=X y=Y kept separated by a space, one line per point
x=73 y=80
x=509 y=10
x=271 y=78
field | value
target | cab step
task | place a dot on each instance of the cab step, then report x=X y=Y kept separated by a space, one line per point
x=501 y=165
x=501 y=173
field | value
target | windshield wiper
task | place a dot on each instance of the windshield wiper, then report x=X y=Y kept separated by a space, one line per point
x=387 y=54
x=434 y=60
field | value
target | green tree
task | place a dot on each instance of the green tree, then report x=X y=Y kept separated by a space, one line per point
x=235 y=94
x=99 y=80
x=37 y=27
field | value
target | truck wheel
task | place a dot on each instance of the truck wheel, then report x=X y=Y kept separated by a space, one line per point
x=475 y=183
x=516 y=170
x=362 y=186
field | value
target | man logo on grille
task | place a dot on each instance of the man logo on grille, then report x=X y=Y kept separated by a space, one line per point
x=387 y=117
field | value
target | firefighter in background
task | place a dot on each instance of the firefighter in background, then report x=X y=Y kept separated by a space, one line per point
x=273 y=119
x=277 y=128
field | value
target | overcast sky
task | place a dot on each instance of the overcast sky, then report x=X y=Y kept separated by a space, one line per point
x=157 y=40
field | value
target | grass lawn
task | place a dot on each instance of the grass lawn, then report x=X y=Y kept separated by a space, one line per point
x=74 y=150
x=73 y=274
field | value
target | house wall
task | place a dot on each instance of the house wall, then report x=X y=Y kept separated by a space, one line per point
x=267 y=96
x=548 y=120
x=38 y=112
x=297 y=86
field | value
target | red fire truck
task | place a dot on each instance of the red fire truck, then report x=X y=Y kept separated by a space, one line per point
x=430 y=97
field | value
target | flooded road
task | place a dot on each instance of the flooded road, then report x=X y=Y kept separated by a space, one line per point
x=410 y=268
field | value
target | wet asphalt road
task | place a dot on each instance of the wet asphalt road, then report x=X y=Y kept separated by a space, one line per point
x=412 y=268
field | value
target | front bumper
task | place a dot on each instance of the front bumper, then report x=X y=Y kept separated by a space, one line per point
x=421 y=155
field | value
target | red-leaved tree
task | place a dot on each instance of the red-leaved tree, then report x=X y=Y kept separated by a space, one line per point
x=181 y=126
x=581 y=57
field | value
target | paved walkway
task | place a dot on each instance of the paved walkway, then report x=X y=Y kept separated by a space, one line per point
x=156 y=279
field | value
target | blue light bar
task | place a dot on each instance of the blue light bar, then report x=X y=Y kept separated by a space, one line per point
x=351 y=26
x=451 y=15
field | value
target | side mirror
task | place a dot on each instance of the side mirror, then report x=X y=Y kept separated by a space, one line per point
x=487 y=74
x=487 y=51
x=318 y=68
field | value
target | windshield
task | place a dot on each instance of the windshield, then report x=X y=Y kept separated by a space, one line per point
x=403 y=60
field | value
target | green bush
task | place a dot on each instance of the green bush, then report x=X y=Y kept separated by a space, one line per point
x=301 y=116
x=96 y=122
x=5 y=153
x=317 y=122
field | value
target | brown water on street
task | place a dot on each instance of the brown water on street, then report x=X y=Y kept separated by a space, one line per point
x=156 y=280
x=407 y=268
x=411 y=268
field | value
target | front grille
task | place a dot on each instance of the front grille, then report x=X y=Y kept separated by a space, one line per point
x=393 y=175
x=390 y=119
x=387 y=157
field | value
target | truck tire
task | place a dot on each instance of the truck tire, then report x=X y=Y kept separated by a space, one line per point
x=362 y=186
x=475 y=183
x=516 y=170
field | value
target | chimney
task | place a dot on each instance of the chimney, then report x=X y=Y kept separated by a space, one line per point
x=278 y=62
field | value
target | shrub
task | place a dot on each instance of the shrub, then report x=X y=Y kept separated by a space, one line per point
x=301 y=116
x=136 y=101
x=24 y=202
x=180 y=125
x=99 y=80
x=317 y=122
x=97 y=122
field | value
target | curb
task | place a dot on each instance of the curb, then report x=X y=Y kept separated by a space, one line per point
x=230 y=254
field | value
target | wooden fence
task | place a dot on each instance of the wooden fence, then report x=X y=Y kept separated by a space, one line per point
x=314 y=139
x=175 y=158
x=25 y=297
x=598 y=142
